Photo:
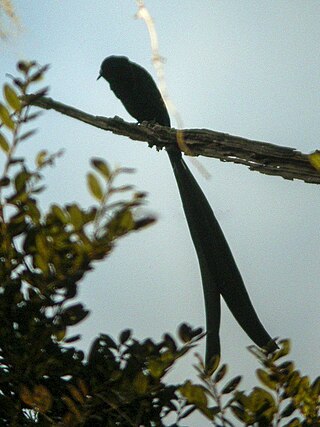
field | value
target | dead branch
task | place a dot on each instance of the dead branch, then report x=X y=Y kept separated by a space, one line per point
x=262 y=157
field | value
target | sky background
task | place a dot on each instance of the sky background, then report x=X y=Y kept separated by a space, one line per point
x=248 y=68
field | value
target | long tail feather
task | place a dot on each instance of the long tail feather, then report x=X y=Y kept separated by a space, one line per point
x=220 y=274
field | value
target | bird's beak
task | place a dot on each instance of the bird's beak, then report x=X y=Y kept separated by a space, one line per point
x=98 y=76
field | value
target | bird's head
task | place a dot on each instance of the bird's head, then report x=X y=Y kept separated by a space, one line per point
x=112 y=65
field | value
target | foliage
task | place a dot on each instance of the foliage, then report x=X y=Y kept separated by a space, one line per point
x=44 y=379
x=285 y=398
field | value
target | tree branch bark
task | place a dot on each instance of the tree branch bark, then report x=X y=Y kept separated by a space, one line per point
x=262 y=157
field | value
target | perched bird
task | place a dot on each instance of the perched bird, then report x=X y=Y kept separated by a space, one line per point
x=137 y=91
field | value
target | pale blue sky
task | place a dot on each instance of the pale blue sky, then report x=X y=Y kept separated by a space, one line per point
x=249 y=68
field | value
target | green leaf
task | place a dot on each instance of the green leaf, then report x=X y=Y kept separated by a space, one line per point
x=74 y=314
x=60 y=334
x=72 y=339
x=316 y=386
x=288 y=410
x=220 y=374
x=41 y=263
x=156 y=368
x=41 y=158
x=140 y=383
x=101 y=167
x=60 y=214
x=42 y=246
x=215 y=410
x=5 y=117
x=185 y=332
x=126 y=221
x=284 y=350
x=94 y=186
x=314 y=159
x=231 y=385
x=21 y=180
x=293 y=383
x=293 y=423
x=266 y=379
x=11 y=97
x=4 y=145
x=239 y=413
x=75 y=216
x=125 y=336
x=25 y=66
x=194 y=394
x=286 y=367
x=261 y=399
x=4 y=181
x=33 y=211
x=38 y=75
x=241 y=398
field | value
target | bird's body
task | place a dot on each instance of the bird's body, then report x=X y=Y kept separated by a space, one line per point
x=136 y=89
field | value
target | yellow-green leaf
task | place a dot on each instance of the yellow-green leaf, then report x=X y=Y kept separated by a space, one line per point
x=316 y=386
x=194 y=394
x=265 y=378
x=239 y=413
x=59 y=335
x=41 y=263
x=102 y=167
x=42 y=246
x=258 y=398
x=75 y=216
x=167 y=357
x=156 y=368
x=284 y=350
x=126 y=221
x=4 y=143
x=60 y=213
x=220 y=374
x=140 y=383
x=231 y=385
x=94 y=186
x=294 y=423
x=288 y=410
x=5 y=117
x=314 y=159
x=41 y=158
x=185 y=333
x=293 y=383
x=11 y=97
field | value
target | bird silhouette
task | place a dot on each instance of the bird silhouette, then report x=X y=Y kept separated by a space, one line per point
x=137 y=91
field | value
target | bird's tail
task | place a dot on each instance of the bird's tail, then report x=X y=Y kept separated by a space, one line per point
x=220 y=274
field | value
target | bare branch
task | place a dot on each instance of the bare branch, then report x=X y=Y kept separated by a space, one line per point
x=259 y=156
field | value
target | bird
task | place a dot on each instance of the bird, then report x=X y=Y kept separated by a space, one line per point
x=140 y=96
